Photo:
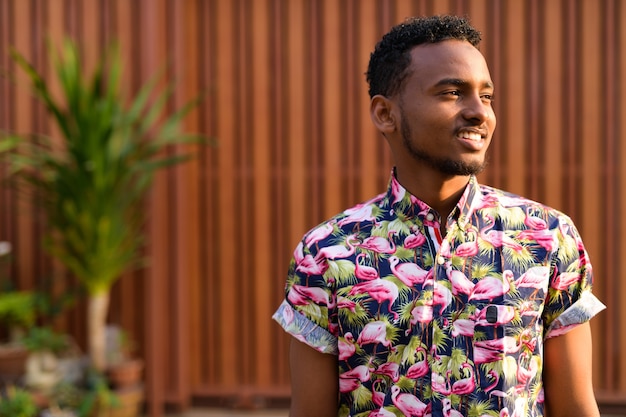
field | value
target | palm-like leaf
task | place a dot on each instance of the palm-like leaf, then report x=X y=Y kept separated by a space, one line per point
x=93 y=188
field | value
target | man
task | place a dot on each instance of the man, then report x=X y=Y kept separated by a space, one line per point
x=440 y=297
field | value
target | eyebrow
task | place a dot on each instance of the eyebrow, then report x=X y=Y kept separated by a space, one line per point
x=460 y=83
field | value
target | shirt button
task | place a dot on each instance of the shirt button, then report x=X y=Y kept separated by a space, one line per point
x=441 y=260
x=430 y=217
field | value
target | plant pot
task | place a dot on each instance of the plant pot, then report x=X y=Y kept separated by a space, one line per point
x=12 y=362
x=129 y=403
x=125 y=374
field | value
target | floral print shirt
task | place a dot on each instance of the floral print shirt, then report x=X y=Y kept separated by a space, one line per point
x=425 y=325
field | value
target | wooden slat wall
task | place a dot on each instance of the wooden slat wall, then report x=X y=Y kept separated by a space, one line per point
x=285 y=97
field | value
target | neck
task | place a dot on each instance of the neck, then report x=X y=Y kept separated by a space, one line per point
x=440 y=192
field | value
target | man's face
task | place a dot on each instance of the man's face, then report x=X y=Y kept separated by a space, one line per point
x=445 y=108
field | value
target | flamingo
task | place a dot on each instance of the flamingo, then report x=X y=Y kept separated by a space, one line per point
x=390 y=369
x=465 y=385
x=409 y=273
x=525 y=375
x=485 y=355
x=361 y=372
x=420 y=314
x=467 y=249
x=414 y=240
x=312 y=266
x=535 y=277
x=497 y=238
x=358 y=214
x=441 y=383
x=544 y=238
x=463 y=327
x=302 y=295
x=343 y=302
x=448 y=411
x=319 y=233
x=398 y=192
x=380 y=290
x=460 y=283
x=441 y=296
x=381 y=413
x=346 y=346
x=489 y=288
x=419 y=368
x=378 y=397
x=380 y=244
x=565 y=280
x=506 y=344
x=298 y=253
x=374 y=332
x=365 y=272
x=534 y=222
x=338 y=251
x=407 y=403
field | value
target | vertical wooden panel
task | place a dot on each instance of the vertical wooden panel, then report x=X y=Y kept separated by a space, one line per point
x=286 y=100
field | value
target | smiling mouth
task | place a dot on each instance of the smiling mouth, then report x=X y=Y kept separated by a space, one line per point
x=474 y=136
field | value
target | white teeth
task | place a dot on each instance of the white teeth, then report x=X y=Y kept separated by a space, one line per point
x=470 y=136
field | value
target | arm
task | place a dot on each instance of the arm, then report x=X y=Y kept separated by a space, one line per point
x=314 y=382
x=567 y=374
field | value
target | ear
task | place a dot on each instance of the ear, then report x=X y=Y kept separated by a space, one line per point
x=382 y=112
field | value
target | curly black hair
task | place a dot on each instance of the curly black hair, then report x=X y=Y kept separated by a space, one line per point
x=391 y=58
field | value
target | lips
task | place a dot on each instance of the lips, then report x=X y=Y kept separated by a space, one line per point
x=472 y=138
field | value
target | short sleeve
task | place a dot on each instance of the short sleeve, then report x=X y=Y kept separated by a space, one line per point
x=309 y=302
x=570 y=301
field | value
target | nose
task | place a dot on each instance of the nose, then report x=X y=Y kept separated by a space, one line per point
x=477 y=109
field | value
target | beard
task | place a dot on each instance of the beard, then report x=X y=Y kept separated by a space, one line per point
x=444 y=165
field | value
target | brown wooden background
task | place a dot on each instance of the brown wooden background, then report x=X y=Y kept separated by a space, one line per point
x=286 y=99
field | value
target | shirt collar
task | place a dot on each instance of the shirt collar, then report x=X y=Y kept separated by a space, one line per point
x=409 y=206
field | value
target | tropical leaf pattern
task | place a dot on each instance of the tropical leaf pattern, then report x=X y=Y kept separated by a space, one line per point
x=424 y=324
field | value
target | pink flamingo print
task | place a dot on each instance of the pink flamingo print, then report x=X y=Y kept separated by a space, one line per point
x=319 y=233
x=565 y=280
x=497 y=238
x=460 y=283
x=374 y=332
x=312 y=266
x=441 y=383
x=361 y=372
x=407 y=403
x=364 y=272
x=534 y=222
x=414 y=240
x=380 y=244
x=463 y=327
x=380 y=290
x=343 y=302
x=338 y=251
x=381 y=413
x=525 y=375
x=346 y=346
x=506 y=344
x=544 y=238
x=298 y=253
x=390 y=369
x=442 y=296
x=485 y=355
x=419 y=368
x=420 y=314
x=489 y=288
x=409 y=273
x=357 y=214
x=448 y=411
x=397 y=191
x=535 y=277
x=378 y=397
x=465 y=385
x=468 y=249
x=302 y=295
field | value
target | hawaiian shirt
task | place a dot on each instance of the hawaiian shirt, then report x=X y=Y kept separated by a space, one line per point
x=430 y=325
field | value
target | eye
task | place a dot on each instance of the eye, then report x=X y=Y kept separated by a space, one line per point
x=452 y=93
x=487 y=97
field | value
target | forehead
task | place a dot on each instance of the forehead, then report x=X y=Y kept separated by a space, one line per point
x=451 y=59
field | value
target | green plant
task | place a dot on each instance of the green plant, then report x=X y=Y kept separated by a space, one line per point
x=96 y=395
x=93 y=182
x=18 y=312
x=44 y=338
x=17 y=403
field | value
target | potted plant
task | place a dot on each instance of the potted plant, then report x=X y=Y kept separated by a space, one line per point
x=17 y=313
x=92 y=182
x=17 y=402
